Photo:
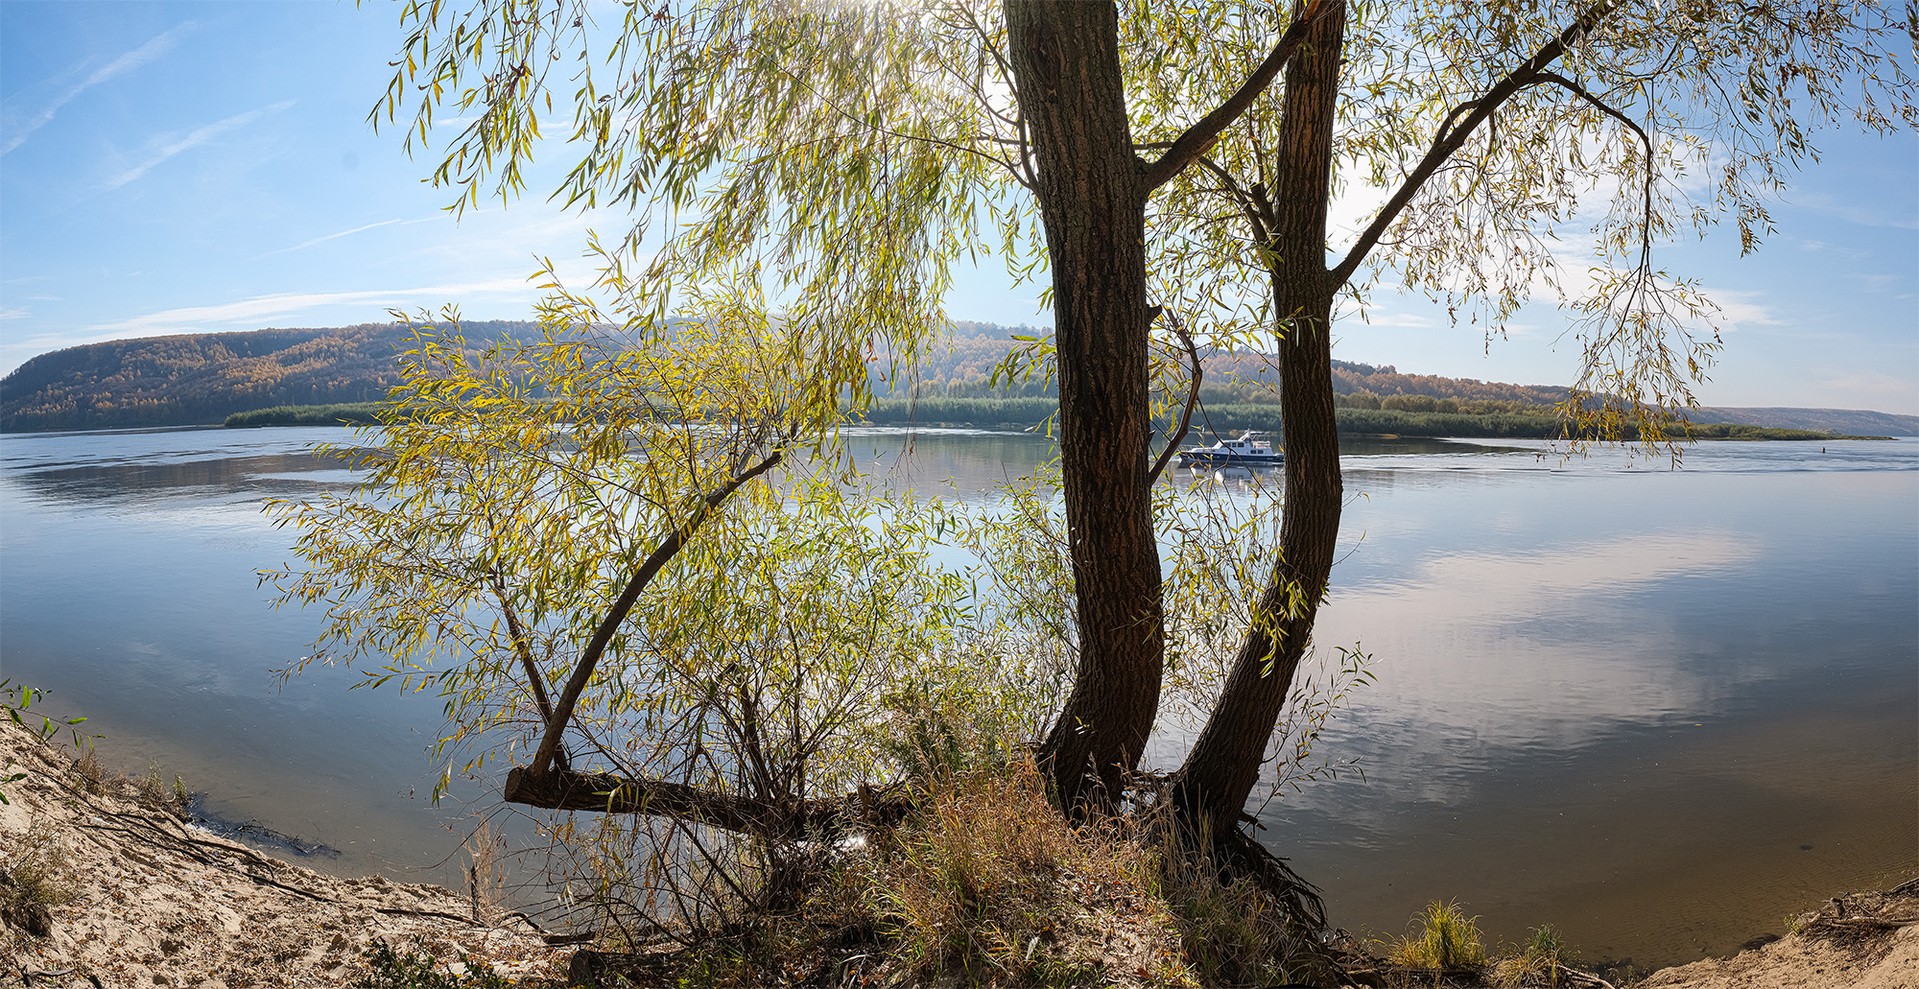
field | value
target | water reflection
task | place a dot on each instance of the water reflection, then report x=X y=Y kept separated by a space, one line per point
x=1608 y=697
x=1609 y=691
x=272 y=473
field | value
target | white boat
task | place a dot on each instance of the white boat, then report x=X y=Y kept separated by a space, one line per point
x=1243 y=452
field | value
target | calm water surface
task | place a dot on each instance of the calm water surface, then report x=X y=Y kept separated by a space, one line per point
x=1659 y=709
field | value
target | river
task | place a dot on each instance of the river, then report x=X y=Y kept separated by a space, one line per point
x=1659 y=709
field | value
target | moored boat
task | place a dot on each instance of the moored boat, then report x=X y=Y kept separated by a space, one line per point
x=1246 y=451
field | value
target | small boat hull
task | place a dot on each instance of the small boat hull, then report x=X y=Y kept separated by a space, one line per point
x=1202 y=460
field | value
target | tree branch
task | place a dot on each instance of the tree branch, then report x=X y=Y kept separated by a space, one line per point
x=1458 y=125
x=668 y=547
x=1200 y=136
x=1645 y=226
x=1251 y=204
x=522 y=646
x=796 y=819
x=1185 y=416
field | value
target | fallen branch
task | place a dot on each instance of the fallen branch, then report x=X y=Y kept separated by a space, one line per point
x=790 y=820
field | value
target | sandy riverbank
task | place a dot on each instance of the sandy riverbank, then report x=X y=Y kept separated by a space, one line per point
x=150 y=901
x=146 y=900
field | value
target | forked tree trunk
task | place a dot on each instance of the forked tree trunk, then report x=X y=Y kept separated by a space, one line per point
x=1092 y=194
x=1211 y=789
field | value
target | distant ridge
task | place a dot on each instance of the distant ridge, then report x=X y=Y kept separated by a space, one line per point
x=202 y=378
x=1858 y=422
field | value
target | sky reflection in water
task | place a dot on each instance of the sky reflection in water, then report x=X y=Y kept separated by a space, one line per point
x=1659 y=709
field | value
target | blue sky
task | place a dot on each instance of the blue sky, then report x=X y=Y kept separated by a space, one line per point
x=187 y=167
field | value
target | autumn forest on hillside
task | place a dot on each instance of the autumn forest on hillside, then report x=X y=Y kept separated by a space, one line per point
x=332 y=375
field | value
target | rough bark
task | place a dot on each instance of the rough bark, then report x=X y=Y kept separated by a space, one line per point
x=1092 y=193
x=1211 y=789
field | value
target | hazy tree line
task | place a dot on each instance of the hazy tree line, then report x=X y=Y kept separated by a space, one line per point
x=202 y=378
x=205 y=378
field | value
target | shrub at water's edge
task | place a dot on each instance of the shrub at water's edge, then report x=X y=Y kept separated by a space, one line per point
x=1232 y=417
x=1032 y=412
x=342 y=414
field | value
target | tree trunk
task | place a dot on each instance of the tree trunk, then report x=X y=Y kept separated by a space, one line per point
x=1223 y=766
x=1092 y=194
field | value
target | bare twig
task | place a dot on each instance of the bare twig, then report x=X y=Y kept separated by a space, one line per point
x=1192 y=399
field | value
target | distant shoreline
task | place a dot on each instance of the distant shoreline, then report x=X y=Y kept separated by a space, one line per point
x=1026 y=413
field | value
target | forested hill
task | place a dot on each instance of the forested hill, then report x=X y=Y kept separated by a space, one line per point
x=962 y=368
x=201 y=378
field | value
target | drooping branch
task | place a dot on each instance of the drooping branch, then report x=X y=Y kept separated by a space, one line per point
x=522 y=646
x=1195 y=140
x=669 y=546
x=1458 y=126
x=1192 y=399
x=1251 y=202
x=1645 y=227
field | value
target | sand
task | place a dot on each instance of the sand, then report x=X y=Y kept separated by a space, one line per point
x=156 y=902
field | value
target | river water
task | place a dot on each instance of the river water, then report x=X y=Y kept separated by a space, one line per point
x=1659 y=709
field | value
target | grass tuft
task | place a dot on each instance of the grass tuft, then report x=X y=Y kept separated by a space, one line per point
x=1544 y=960
x=980 y=884
x=89 y=771
x=35 y=876
x=155 y=792
x=1233 y=932
x=486 y=874
x=1447 y=939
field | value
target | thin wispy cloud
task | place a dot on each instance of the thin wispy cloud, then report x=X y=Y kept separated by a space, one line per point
x=197 y=137
x=1399 y=321
x=261 y=308
x=303 y=245
x=153 y=49
x=1844 y=253
x=14 y=313
x=1739 y=309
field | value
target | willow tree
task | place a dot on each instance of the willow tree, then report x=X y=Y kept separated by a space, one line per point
x=1172 y=168
x=1503 y=153
x=576 y=542
x=849 y=154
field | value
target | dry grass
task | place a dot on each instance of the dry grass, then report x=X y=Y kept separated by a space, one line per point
x=984 y=883
x=486 y=874
x=1233 y=932
x=991 y=884
x=35 y=876
x=1544 y=960
x=89 y=771
x=157 y=793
